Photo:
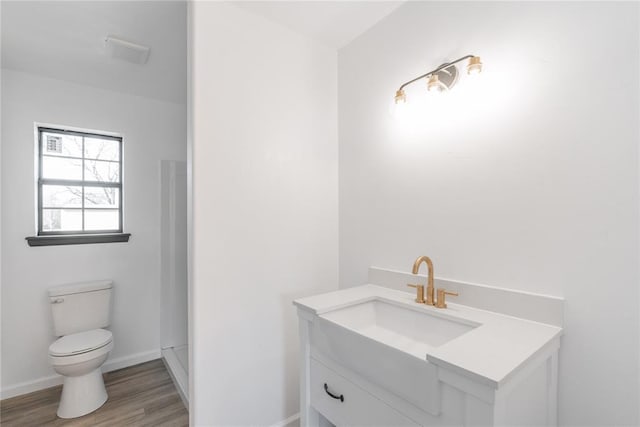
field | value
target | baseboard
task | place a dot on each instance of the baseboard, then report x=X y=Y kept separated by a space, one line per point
x=30 y=386
x=54 y=380
x=134 y=359
x=178 y=375
x=288 y=422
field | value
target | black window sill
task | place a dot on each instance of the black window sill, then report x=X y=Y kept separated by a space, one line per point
x=77 y=239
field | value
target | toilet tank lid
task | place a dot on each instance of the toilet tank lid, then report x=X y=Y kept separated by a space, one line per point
x=76 y=288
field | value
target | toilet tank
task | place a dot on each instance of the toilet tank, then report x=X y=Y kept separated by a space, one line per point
x=81 y=307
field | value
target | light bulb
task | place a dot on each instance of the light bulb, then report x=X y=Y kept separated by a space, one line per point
x=435 y=85
x=474 y=66
x=399 y=104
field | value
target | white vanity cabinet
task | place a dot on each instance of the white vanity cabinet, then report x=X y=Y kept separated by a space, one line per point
x=366 y=360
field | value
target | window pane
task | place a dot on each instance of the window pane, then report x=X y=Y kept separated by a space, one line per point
x=56 y=144
x=83 y=206
x=95 y=170
x=61 y=219
x=101 y=197
x=102 y=149
x=61 y=168
x=60 y=196
x=101 y=219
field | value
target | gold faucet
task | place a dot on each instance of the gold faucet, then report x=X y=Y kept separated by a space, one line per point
x=441 y=295
x=419 y=293
x=430 y=290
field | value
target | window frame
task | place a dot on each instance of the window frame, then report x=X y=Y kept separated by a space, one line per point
x=81 y=183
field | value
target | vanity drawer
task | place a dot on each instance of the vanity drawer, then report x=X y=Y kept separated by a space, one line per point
x=351 y=406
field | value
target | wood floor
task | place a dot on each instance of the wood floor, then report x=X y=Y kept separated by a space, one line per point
x=141 y=395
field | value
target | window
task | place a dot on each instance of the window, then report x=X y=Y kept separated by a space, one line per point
x=79 y=186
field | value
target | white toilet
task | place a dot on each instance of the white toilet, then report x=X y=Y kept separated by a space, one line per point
x=80 y=311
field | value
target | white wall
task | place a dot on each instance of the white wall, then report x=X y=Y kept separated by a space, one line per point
x=526 y=178
x=152 y=130
x=265 y=209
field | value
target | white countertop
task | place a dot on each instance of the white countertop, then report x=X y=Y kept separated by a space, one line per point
x=490 y=353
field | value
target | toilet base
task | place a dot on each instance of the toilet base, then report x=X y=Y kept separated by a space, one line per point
x=82 y=394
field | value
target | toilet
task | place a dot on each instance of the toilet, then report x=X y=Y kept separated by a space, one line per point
x=80 y=312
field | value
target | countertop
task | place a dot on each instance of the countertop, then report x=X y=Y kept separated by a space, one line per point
x=490 y=353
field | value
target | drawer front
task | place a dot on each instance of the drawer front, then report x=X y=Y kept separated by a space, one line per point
x=350 y=405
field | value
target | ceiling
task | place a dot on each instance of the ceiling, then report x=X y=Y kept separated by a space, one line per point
x=334 y=23
x=65 y=40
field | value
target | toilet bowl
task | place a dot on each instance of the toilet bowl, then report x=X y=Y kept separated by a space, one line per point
x=81 y=312
x=78 y=357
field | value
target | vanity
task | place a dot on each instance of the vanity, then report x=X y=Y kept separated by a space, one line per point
x=373 y=356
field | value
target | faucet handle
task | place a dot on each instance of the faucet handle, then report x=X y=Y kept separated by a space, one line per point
x=441 y=303
x=419 y=293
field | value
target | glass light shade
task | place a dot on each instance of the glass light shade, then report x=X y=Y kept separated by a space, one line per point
x=400 y=97
x=474 y=66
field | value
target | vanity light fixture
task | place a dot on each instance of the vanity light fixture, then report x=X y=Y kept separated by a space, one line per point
x=442 y=78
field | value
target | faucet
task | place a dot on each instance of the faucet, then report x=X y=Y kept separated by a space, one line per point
x=441 y=295
x=430 y=289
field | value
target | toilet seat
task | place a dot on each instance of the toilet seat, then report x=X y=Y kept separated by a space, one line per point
x=80 y=343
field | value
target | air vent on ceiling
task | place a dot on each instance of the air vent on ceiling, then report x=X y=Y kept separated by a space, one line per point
x=126 y=51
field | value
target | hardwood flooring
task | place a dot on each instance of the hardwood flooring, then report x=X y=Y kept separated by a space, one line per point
x=141 y=395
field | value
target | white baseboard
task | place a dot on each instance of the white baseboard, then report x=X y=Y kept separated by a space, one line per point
x=54 y=380
x=284 y=423
x=30 y=386
x=134 y=359
x=178 y=375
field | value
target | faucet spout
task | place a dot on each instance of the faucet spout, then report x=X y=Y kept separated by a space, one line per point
x=430 y=288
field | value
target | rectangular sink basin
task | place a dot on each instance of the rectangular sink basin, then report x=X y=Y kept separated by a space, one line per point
x=387 y=344
x=413 y=331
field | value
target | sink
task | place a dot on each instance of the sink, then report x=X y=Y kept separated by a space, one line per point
x=413 y=331
x=387 y=343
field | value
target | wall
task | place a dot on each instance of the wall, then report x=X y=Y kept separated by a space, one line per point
x=525 y=178
x=153 y=130
x=1 y=206
x=264 y=209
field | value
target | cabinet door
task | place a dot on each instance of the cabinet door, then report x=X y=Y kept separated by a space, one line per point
x=345 y=404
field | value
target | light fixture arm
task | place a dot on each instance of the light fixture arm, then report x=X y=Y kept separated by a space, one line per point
x=440 y=68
